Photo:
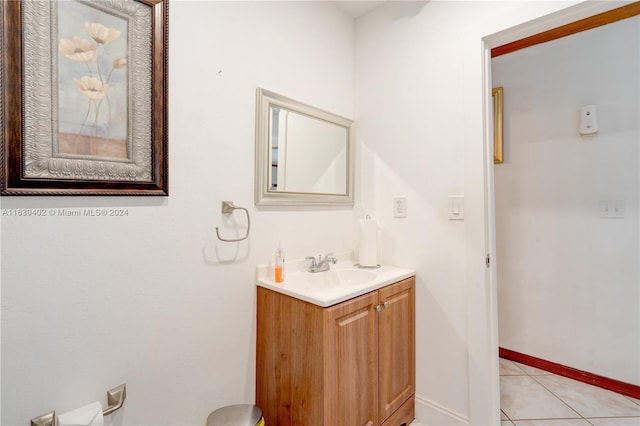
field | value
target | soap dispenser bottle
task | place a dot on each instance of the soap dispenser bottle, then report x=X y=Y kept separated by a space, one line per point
x=279 y=265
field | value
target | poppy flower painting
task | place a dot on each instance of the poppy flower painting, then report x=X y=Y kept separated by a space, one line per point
x=92 y=82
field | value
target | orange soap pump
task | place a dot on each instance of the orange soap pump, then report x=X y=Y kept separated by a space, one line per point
x=279 y=265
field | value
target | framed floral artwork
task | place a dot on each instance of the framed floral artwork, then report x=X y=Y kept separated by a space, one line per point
x=83 y=89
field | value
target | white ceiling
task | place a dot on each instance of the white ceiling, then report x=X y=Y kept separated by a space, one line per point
x=357 y=8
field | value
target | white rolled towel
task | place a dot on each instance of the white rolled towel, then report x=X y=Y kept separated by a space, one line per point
x=368 y=246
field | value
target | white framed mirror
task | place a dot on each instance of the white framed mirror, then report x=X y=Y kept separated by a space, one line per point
x=304 y=155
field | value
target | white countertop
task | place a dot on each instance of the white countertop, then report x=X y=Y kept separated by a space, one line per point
x=297 y=282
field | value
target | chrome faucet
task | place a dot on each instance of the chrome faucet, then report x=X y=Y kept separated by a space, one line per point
x=321 y=264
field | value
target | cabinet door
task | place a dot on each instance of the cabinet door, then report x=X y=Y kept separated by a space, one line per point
x=289 y=374
x=396 y=337
x=351 y=362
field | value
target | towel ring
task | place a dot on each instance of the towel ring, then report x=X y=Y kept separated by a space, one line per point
x=228 y=208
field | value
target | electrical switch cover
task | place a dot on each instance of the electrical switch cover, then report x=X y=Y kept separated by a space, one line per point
x=456 y=207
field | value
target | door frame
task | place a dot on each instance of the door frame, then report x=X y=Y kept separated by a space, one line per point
x=580 y=17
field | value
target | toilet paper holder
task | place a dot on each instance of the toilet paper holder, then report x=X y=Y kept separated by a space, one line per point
x=115 y=400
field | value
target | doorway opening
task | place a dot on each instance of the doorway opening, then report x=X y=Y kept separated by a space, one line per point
x=549 y=188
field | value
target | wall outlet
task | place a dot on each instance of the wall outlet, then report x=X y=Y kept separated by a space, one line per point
x=399 y=206
x=456 y=207
x=612 y=209
x=618 y=209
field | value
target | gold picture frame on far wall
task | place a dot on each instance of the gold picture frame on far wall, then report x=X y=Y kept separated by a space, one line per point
x=496 y=93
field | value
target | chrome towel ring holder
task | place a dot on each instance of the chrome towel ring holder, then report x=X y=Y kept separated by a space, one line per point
x=227 y=208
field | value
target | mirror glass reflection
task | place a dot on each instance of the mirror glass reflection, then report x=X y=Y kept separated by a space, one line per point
x=307 y=154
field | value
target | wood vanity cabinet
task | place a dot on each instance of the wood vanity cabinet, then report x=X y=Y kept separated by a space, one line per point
x=348 y=364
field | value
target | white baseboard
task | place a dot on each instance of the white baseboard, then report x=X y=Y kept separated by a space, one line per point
x=431 y=413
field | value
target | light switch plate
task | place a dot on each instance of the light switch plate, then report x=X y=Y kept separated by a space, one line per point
x=456 y=207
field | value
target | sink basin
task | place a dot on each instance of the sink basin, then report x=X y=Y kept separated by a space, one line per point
x=342 y=282
x=342 y=277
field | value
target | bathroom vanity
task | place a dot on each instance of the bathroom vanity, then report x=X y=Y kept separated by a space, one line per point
x=344 y=356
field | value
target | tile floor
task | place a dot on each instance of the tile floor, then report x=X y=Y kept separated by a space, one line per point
x=533 y=397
